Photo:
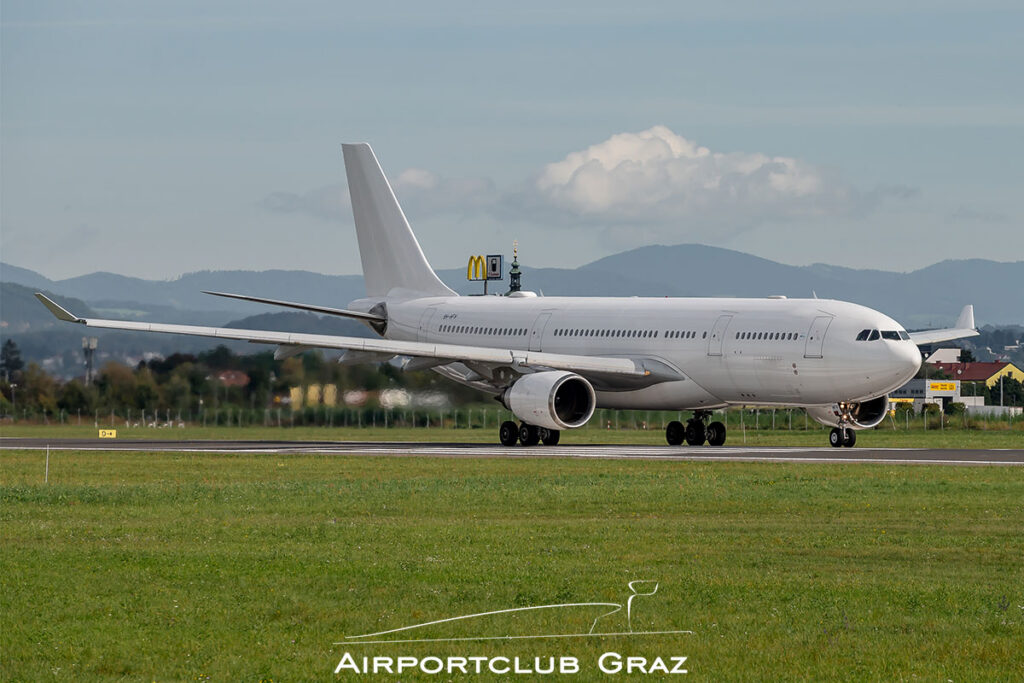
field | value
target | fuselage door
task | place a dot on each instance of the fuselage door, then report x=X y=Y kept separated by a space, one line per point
x=537 y=333
x=816 y=336
x=718 y=334
x=423 y=333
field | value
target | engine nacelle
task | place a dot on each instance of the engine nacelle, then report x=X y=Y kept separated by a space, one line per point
x=862 y=415
x=555 y=400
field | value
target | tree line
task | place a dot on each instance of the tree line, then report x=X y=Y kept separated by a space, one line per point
x=186 y=383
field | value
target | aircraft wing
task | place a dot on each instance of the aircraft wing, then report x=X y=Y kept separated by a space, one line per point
x=516 y=358
x=964 y=327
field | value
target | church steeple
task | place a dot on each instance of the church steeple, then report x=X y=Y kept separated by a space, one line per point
x=514 y=274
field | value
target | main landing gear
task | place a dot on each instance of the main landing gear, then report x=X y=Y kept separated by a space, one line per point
x=839 y=438
x=696 y=431
x=529 y=435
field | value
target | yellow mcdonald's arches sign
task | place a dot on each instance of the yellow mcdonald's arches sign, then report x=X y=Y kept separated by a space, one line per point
x=476 y=269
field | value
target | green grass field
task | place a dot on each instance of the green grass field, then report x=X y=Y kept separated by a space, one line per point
x=998 y=435
x=239 y=567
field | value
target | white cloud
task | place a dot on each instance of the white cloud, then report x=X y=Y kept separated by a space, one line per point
x=654 y=184
x=658 y=177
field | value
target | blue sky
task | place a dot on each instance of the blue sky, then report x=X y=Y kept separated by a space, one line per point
x=155 y=139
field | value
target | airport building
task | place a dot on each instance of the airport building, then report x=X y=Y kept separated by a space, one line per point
x=941 y=392
x=967 y=385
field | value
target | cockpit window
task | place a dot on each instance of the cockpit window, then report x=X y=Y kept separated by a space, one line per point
x=863 y=336
x=891 y=334
x=904 y=336
x=874 y=335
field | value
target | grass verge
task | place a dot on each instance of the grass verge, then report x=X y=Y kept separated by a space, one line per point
x=185 y=566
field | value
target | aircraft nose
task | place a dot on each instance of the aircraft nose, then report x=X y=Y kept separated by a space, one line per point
x=908 y=358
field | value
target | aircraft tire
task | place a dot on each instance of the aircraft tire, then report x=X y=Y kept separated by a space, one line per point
x=849 y=438
x=716 y=434
x=508 y=433
x=549 y=437
x=675 y=432
x=696 y=434
x=836 y=438
x=529 y=435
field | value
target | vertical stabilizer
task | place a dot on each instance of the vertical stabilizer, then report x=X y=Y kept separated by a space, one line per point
x=391 y=256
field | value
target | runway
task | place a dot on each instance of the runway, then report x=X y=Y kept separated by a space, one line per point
x=893 y=456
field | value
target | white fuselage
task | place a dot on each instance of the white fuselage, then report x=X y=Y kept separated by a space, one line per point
x=726 y=351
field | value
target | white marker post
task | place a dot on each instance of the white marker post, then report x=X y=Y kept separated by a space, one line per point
x=46 y=474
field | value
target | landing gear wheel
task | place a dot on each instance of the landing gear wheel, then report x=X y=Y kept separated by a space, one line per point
x=716 y=434
x=508 y=433
x=549 y=437
x=696 y=434
x=675 y=433
x=836 y=438
x=528 y=435
x=849 y=438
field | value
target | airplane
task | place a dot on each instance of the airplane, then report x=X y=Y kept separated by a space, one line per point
x=552 y=361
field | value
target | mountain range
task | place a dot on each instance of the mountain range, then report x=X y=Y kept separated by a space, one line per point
x=929 y=297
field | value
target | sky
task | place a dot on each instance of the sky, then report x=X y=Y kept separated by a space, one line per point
x=155 y=139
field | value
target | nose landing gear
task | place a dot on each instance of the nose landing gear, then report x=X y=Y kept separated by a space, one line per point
x=842 y=437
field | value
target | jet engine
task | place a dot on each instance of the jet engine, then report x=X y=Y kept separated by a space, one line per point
x=863 y=415
x=552 y=399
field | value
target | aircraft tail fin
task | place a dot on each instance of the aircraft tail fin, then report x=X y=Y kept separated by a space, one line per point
x=966 y=319
x=391 y=256
x=964 y=327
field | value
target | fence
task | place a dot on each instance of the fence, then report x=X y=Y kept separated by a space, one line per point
x=480 y=417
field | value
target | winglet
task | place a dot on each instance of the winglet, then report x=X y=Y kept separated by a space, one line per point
x=57 y=310
x=966 y=319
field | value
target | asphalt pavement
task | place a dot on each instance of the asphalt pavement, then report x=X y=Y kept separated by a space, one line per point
x=905 y=456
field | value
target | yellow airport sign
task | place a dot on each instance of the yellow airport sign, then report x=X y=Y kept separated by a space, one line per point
x=108 y=433
x=942 y=386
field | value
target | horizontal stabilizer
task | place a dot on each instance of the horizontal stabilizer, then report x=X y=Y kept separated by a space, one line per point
x=344 y=313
